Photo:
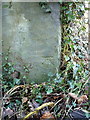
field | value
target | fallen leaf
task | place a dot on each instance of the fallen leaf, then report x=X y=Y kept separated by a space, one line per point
x=74 y=96
x=24 y=99
x=82 y=99
x=47 y=115
x=56 y=97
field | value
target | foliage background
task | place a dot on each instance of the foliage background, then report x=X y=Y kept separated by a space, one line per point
x=74 y=72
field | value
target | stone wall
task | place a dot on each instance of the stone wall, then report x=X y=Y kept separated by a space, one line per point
x=33 y=38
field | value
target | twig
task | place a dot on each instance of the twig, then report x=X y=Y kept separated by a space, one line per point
x=39 y=108
x=12 y=89
x=56 y=103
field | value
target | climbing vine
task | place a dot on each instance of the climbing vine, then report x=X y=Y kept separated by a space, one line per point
x=74 y=66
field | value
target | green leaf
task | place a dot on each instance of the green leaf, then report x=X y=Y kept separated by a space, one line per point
x=87 y=115
x=75 y=69
x=5 y=6
x=48 y=10
x=39 y=96
x=49 y=90
x=9 y=64
x=71 y=17
x=39 y=100
x=67 y=58
x=6 y=58
x=68 y=106
x=69 y=12
x=24 y=77
x=74 y=104
x=18 y=102
x=64 y=7
x=5 y=86
x=79 y=84
x=71 y=83
x=16 y=81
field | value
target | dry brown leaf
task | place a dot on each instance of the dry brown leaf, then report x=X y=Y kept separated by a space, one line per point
x=56 y=97
x=24 y=99
x=47 y=115
x=82 y=99
x=74 y=96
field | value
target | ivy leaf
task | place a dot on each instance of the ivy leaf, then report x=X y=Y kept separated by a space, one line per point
x=64 y=7
x=75 y=69
x=71 y=17
x=71 y=83
x=16 y=81
x=18 y=102
x=39 y=101
x=87 y=115
x=48 y=10
x=49 y=90
x=39 y=96
x=68 y=106
x=67 y=58
x=78 y=84
x=68 y=12
x=74 y=104
x=5 y=86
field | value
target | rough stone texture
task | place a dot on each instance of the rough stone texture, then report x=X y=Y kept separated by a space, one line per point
x=33 y=37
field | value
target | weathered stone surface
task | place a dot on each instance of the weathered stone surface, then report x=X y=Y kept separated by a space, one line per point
x=33 y=37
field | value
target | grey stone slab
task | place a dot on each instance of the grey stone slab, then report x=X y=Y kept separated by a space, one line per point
x=33 y=37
